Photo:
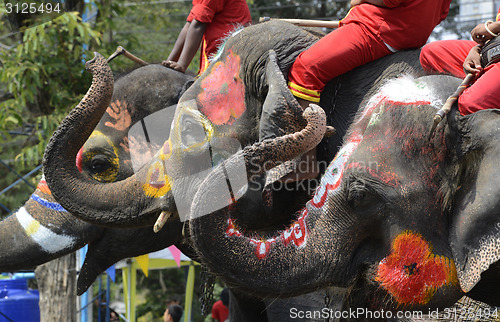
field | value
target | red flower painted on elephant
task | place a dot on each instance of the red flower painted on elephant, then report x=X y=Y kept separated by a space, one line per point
x=412 y=273
x=222 y=98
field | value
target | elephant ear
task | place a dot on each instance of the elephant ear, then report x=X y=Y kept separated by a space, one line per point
x=281 y=114
x=475 y=226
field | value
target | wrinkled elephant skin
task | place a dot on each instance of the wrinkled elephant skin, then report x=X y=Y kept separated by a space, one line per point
x=43 y=230
x=354 y=196
x=409 y=222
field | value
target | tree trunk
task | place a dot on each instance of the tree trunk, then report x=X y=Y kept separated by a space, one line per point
x=57 y=285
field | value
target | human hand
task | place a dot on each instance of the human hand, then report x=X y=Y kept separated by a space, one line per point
x=174 y=65
x=480 y=34
x=472 y=63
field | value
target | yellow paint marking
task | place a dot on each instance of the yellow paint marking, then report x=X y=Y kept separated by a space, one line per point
x=32 y=227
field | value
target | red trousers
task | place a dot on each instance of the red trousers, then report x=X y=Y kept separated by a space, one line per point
x=340 y=51
x=447 y=57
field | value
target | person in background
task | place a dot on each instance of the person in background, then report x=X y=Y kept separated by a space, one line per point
x=173 y=313
x=208 y=22
x=458 y=57
x=220 y=309
x=113 y=316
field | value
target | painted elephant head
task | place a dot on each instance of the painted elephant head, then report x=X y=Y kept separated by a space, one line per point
x=43 y=230
x=403 y=221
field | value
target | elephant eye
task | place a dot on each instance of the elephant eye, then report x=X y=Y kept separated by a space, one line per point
x=99 y=164
x=361 y=196
x=103 y=167
x=192 y=132
x=356 y=193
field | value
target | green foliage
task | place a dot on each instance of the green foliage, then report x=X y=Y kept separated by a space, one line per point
x=44 y=77
x=148 y=30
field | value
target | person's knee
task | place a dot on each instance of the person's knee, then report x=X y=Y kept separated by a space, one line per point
x=428 y=57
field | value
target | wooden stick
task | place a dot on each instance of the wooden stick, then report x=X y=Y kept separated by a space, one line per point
x=305 y=22
x=438 y=117
x=121 y=51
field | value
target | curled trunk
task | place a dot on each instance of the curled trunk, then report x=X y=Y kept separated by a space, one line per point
x=260 y=267
x=111 y=201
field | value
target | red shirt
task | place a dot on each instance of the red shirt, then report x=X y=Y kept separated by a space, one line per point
x=220 y=312
x=403 y=24
x=221 y=17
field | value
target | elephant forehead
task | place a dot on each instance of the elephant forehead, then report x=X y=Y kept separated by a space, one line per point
x=222 y=91
x=100 y=140
x=407 y=89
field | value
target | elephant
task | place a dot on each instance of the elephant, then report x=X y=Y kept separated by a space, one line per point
x=105 y=157
x=43 y=230
x=258 y=109
x=406 y=221
x=244 y=77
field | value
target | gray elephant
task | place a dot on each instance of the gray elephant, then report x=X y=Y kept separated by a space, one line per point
x=407 y=222
x=105 y=157
x=43 y=230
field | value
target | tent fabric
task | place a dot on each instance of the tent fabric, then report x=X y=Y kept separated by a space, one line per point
x=169 y=257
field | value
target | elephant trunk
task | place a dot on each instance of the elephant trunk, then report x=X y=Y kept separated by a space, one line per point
x=73 y=190
x=254 y=264
x=28 y=237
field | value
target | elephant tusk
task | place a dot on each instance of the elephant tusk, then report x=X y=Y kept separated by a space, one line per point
x=184 y=230
x=330 y=130
x=162 y=219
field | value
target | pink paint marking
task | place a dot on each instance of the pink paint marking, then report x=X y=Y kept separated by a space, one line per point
x=393 y=104
x=79 y=160
x=222 y=98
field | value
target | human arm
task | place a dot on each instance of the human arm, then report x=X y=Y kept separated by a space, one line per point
x=190 y=45
x=472 y=63
x=481 y=35
x=179 y=43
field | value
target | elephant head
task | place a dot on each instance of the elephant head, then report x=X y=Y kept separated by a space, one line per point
x=43 y=230
x=403 y=221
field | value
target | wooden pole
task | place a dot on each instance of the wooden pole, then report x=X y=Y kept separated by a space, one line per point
x=121 y=51
x=305 y=22
x=438 y=117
